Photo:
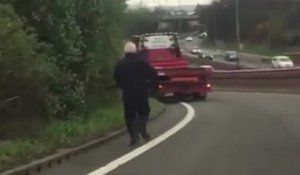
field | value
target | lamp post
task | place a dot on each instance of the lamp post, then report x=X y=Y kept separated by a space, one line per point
x=297 y=15
x=179 y=22
x=238 y=39
x=215 y=3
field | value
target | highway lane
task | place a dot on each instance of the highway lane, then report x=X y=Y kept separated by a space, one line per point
x=247 y=60
x=231 y=134
x=194 y=59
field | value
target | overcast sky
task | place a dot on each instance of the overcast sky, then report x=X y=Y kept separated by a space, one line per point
x=167 y=2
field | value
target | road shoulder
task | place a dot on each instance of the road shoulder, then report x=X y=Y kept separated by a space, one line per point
x=113 y=149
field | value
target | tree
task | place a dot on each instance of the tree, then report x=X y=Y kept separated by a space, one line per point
x=223 y=13
x=140 y=20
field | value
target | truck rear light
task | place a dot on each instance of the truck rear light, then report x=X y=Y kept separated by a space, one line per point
x=161 y=74
x=208 y=85
x=160 y=86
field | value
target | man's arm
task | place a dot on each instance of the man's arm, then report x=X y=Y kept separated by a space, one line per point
x=154 y=76
x=151 y=75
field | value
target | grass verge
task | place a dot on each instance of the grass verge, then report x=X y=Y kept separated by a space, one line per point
x=64 y=134
x=262 y=50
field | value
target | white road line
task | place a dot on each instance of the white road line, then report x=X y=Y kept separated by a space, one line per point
x=137 y=152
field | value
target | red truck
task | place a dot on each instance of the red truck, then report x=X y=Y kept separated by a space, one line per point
x=176 y=77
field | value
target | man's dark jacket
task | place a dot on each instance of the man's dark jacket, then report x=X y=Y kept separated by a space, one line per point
x=134 y=75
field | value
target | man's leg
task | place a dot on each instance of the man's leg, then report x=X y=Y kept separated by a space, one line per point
x=143 y=115
x=131 y=119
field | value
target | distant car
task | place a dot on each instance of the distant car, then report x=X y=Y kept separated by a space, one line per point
x=202 y=35
x=231 y=56
x=206 y=55
x=196 y=50
x=282 y=62
x=189 y=38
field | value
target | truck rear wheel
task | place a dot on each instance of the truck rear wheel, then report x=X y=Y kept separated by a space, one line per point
x=200 y=96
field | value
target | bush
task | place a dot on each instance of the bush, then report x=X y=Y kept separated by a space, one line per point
x=56 y=58
x=22 y=68
x=85 y=37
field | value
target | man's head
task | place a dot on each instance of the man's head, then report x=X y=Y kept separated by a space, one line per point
x=130 y=47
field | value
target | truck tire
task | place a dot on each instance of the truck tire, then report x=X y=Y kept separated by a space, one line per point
x=199 y=96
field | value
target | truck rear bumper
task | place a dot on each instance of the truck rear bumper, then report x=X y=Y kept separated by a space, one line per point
x=183 y=89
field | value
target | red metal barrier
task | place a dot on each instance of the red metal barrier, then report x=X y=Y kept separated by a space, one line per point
x=269 y=79
x=257 y=74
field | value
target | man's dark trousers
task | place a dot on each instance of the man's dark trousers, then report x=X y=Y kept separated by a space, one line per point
x=136 y=108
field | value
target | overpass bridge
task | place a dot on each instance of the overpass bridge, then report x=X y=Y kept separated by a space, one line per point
x=180 y=23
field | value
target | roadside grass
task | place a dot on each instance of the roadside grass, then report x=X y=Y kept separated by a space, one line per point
x=262 y=50
x=64 y=134
x=156 y=107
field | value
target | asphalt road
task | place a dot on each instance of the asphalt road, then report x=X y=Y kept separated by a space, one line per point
x=86 y=163
x=231 y=134
x=247 y=60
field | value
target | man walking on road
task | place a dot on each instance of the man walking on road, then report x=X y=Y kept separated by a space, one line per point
x=135 y=77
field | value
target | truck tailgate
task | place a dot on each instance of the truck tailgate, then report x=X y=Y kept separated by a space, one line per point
x=184 y=80
x=188 y=74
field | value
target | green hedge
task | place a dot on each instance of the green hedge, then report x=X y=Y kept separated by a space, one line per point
x=58 y=55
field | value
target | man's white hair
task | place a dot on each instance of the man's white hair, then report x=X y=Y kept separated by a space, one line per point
x=130 y=47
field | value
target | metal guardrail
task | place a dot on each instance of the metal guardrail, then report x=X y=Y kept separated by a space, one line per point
x=261 y=71
x=265 y=80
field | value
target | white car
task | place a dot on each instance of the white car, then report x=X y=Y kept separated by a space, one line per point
x=282 y=62
x=196 y=50
x=189 y=38
x=231 y=56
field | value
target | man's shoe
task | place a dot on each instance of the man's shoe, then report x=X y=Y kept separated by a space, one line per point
x=146 y=137
x=134 y=142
